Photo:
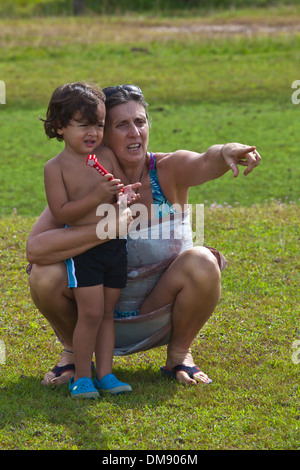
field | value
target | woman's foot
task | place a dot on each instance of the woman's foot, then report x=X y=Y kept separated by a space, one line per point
x=63 y=371
x=184 y=358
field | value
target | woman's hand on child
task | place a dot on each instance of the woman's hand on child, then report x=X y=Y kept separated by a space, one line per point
x=130 y=191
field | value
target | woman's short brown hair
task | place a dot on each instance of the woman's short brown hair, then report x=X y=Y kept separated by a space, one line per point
x=121 y=94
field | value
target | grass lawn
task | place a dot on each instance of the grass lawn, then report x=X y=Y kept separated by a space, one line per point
x=246 y=347
x=203 y=89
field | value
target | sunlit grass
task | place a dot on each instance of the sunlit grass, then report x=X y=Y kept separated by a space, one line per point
x=246 y=347
x=203 y=89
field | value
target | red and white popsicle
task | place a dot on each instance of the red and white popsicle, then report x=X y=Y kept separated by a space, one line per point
x=93 y=162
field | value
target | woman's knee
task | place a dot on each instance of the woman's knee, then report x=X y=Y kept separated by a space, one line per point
x=47 y=279
x=200 y=265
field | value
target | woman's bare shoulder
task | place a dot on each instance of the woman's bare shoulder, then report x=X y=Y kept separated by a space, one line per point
x=106 y=158
x=171 y=159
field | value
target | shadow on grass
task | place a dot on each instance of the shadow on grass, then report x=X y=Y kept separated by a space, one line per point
x=26 y=401
x=149 y=387
x=33 y=415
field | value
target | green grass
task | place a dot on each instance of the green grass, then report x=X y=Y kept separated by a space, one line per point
x=195 y=127
x=237 y=69
x=246 y=347
x=202 y=90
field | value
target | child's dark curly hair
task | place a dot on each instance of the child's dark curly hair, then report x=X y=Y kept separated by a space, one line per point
x=69 y=99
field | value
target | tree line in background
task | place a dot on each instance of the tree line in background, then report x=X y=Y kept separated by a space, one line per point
x=23 y=8
x=161 y=5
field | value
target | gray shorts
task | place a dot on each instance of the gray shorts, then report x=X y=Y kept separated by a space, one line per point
x=142 y=332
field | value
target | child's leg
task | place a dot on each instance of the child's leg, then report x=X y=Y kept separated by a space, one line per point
x=90 y=304
x=106 y=335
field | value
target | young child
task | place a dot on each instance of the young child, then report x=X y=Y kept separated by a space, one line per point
x=76 y=115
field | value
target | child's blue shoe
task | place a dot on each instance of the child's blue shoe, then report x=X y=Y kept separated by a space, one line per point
x=83 y=388
x=110 y=384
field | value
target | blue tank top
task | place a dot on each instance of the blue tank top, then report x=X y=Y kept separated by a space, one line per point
x=161 y=205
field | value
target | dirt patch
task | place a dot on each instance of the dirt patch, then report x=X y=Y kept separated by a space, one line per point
x=59 y=31
x=229 y=29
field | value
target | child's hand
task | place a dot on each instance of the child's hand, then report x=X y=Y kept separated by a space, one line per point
x=108 y=187
x=130 y=193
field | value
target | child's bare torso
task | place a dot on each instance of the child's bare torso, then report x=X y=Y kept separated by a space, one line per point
x=80 y=180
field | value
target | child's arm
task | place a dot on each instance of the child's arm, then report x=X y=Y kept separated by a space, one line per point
x=65 y=211
x=130 y=190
